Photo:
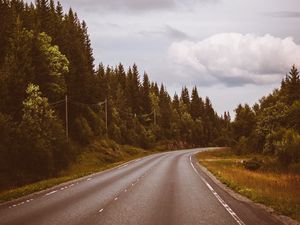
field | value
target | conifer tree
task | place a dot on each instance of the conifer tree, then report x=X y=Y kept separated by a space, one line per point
x=17 y=69
x=145 y=95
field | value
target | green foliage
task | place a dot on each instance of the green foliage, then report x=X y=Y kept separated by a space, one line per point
x=273 y=127
x=52 y=75
x=271 y=141
x=7 y=130
x=242 y=146
x=288 y=148
x=244 y=122
x=293 y=116
x=290 y=86
x=17 y=69
x=271 y=118
x=84 y=132
x=44 y=149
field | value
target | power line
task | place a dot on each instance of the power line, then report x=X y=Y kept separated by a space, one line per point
x=56 y=103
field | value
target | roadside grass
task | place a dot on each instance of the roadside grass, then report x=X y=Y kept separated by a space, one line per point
x=98 y=156
x=269 y=185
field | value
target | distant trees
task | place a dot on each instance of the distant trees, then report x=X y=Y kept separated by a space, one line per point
x=272 y=126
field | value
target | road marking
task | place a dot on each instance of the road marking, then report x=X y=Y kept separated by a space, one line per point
x=229 y=210
x=50 y=193
x=100 y=210
x=71 y=185
x=123 y=166
x=21 y=203
x=88 y=179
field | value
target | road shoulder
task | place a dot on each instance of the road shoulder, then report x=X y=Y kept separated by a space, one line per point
x=283 y=219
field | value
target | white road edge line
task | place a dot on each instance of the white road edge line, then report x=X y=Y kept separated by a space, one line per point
x=50 y=193
x=229 y=210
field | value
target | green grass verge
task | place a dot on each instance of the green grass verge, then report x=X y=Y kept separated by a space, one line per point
x=269 y=185
x=99 y=156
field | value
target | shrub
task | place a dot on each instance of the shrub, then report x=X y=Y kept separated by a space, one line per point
x=271 y=141
x=288 y=149
x=252 y=164
x=84 y=132
x=241 y=146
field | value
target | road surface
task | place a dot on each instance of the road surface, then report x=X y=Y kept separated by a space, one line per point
x=162 y=189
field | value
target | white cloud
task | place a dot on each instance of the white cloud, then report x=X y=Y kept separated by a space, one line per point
x=235 y=59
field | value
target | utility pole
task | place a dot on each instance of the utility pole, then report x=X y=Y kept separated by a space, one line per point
x=106 y=122
x=67 y=119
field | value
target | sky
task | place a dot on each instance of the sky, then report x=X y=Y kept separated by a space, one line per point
x=234 y=51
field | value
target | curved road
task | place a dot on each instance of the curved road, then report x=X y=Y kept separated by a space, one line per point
x=161 y=189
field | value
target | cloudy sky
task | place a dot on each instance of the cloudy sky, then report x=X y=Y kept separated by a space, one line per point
x=234 y=51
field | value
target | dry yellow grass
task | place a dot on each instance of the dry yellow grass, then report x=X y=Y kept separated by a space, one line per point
x=278 y=190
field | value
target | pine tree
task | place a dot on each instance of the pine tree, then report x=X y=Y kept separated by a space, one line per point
x=18 y=69
x=196 y=104
x=185 y=98
x=145 y=95
x=291 y=86
x=165 y=111
x=175 y=103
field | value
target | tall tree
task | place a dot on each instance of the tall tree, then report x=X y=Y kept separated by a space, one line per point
x=185 y=98
x=197 y=106
x=291 y=86
x=17 y=69
x=145 y=95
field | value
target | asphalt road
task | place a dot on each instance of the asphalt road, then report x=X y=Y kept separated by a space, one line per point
x=161 y=189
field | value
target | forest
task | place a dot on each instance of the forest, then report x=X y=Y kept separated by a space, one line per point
x=47 y=66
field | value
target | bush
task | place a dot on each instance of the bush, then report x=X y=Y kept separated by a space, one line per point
x=252 y=164
x=242 y=146
x=288 y=149
x=271 y=141
x=83 y=131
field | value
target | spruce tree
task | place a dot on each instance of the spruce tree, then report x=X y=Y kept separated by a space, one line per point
x=18 y=69
x=145 y=95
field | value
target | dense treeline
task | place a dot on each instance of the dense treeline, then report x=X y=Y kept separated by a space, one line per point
x=46 y=54
x=272 y=126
